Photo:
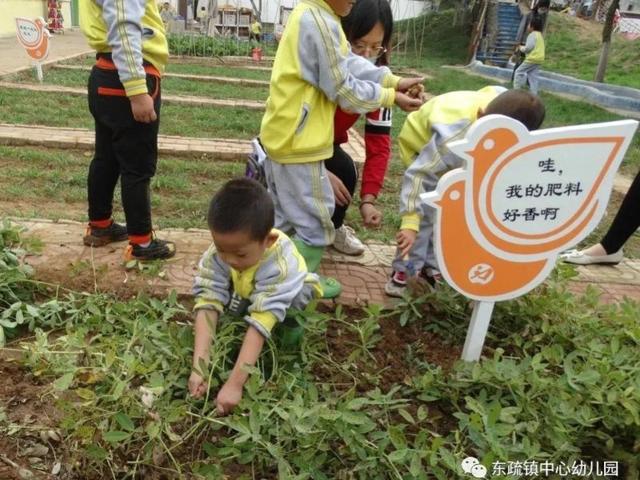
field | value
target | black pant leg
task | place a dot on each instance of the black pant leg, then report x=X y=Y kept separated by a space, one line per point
x=104 y=169
x=137 y=149
x=343 y=167
x=134 y=146
x=627 y=219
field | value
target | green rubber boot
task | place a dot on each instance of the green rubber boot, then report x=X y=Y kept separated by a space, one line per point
x=312 y=255
x=331 y=288
x=291 y=333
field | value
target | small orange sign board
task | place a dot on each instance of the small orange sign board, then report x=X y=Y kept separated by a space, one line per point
x=34 y=37
x=522 y=198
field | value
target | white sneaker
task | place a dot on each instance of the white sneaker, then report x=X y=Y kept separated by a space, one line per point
x=578 y=257
x=346 y=241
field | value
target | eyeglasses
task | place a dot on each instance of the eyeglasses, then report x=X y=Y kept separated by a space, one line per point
x=375 y=52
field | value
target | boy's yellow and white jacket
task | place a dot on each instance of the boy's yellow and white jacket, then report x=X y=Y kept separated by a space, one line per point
x=423 y=140
x=132 y=31
x=278 y=282
x=313 y=71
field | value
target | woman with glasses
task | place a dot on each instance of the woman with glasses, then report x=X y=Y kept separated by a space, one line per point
x=368 y=29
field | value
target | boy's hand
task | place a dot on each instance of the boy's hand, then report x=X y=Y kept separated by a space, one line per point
x=340 y=191
x=228 y=397
x=142 y=108
x=417 y=91
x=371 y=216
x=406 y=238
x=406 y=103
x=197 y=385
x=407 y=83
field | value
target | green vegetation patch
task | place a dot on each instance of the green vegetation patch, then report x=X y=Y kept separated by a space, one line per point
x=60 y=110
x=573 y=48
x=366 y=395
x=170 y=85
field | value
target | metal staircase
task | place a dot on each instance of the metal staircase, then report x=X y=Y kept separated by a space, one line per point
x=500 y=32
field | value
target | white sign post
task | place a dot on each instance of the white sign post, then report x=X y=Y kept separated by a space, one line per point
x=34 y=37
x=522 y=198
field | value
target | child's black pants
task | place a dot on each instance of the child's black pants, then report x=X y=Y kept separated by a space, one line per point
x=124 y=149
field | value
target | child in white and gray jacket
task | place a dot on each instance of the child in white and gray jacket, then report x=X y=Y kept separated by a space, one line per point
x=252 y=271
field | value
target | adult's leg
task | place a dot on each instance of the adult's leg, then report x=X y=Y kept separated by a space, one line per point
x=626 y=221
x=343 y=167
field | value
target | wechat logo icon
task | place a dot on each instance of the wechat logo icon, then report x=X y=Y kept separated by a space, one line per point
x=471 y=466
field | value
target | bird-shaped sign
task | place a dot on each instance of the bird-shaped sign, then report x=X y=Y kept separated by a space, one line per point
x=33 y=36
x=521 y=199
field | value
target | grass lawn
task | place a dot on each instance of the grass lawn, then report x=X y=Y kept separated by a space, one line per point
x=56 y=110
x=170 y=86
x=217 y=70
x=573 y=48
x=200 y=66
x=181 y=190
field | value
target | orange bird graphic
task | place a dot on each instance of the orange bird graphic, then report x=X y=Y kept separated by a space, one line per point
x=521 y=198
x=33 y=36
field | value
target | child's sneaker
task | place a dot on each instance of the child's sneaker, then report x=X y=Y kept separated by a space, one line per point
x=427 y=281
x=432 y=276
x=156 y=250
x=346 y=241
x=98 y=237
x=397 y=285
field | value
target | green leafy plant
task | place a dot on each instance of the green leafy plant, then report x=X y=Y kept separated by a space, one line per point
x=559 y=383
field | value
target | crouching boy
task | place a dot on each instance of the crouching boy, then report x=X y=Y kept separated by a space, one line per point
x=423 y=148
x=252 y=271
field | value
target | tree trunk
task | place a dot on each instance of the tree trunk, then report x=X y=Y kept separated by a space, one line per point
x=606 y=41
x=602 y=63
x=258 y=11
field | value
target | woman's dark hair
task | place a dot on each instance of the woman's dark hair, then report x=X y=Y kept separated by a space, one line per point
x=363 y=17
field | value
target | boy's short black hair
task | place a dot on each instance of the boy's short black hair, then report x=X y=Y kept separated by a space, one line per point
x=520 y=105
x=242 y=204
x=537 y=23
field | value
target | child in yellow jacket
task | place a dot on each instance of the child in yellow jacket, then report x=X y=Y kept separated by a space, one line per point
x=423 y=148
x=124 y=99
x=314 y=70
